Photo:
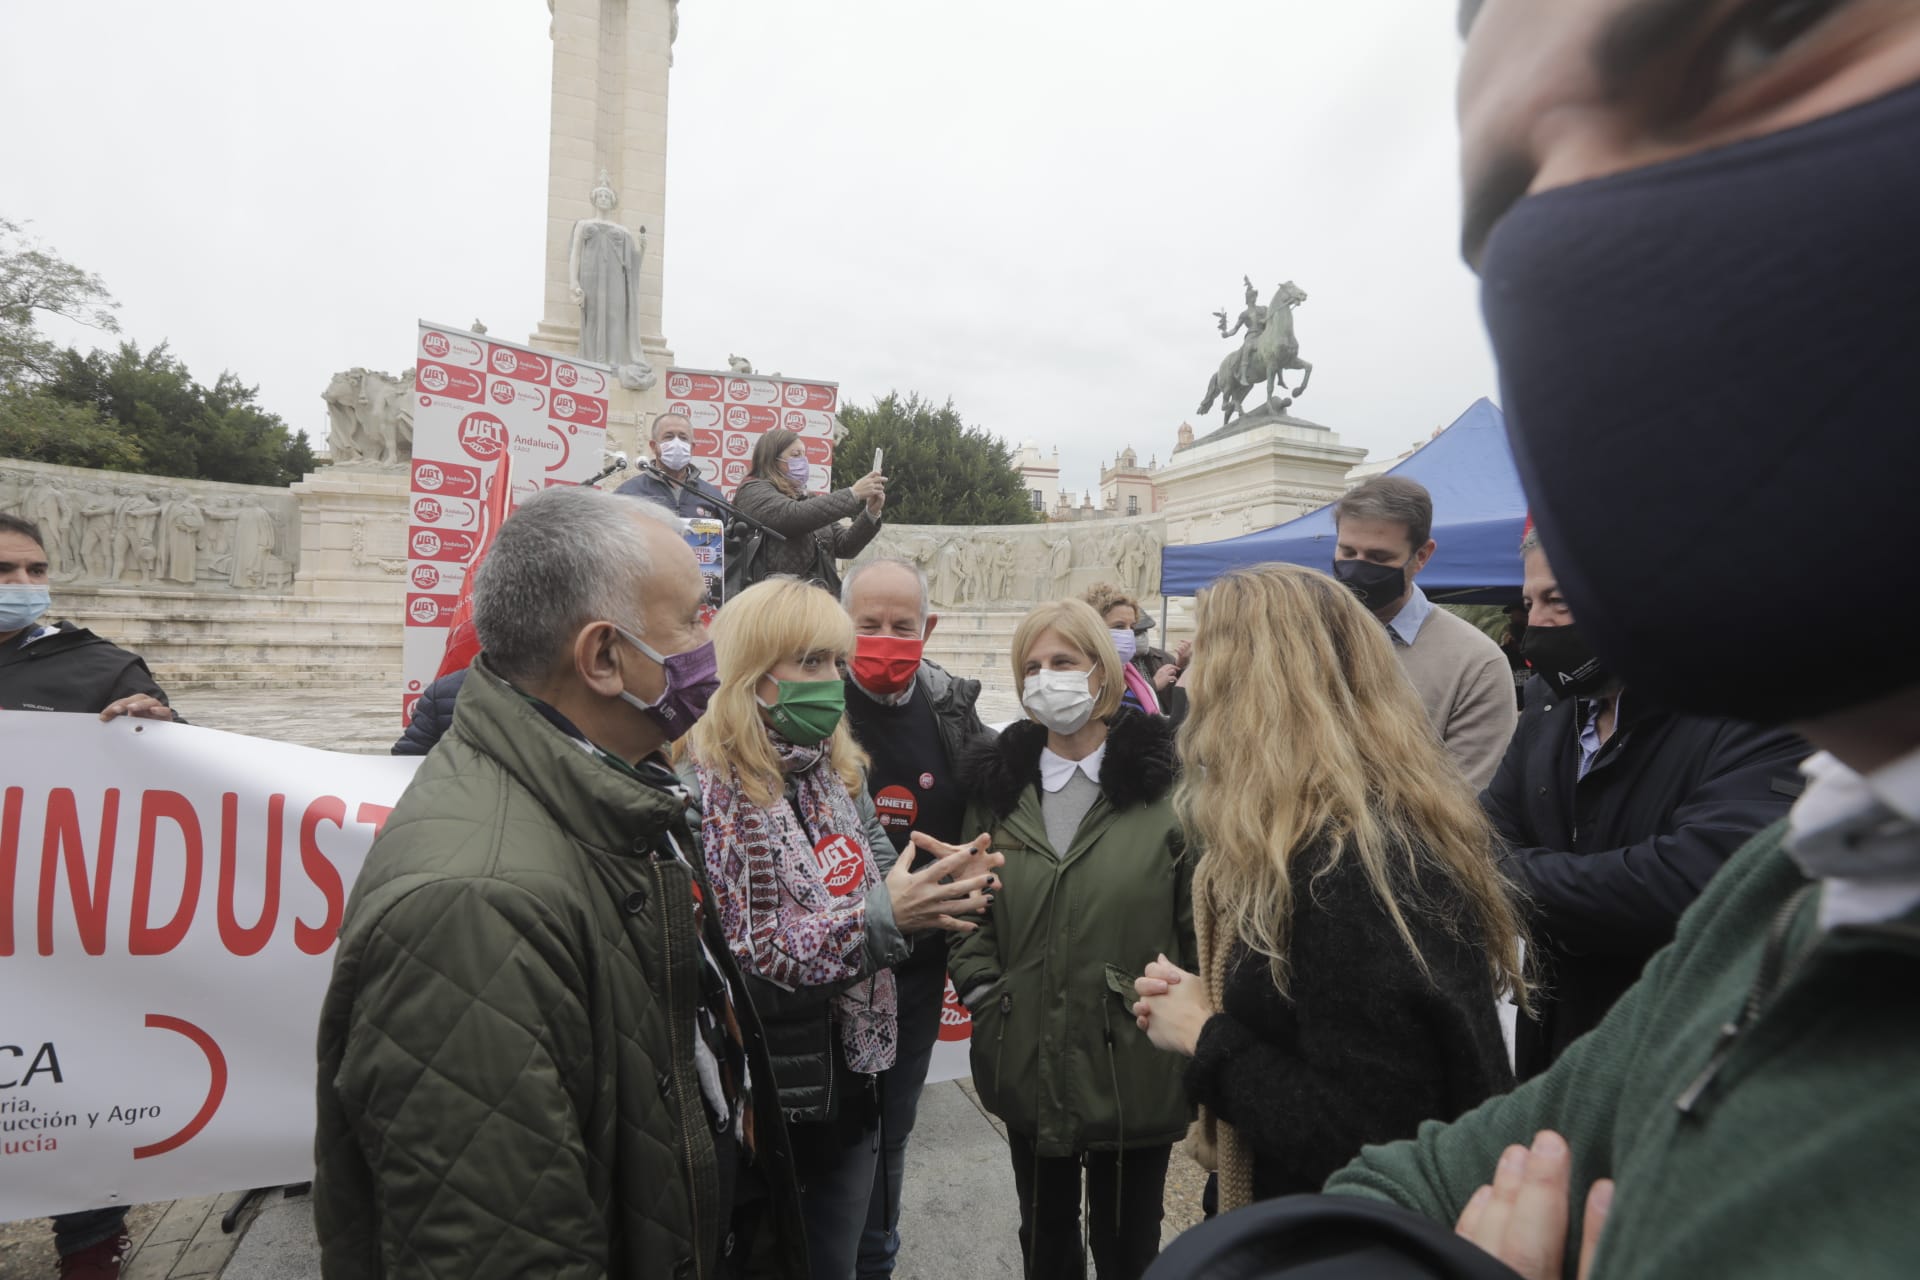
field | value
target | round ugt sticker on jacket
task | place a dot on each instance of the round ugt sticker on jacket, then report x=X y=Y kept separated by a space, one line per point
x=840 y=864
x=955 y=1022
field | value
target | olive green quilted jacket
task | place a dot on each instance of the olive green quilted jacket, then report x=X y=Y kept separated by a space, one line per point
x=506 y=1082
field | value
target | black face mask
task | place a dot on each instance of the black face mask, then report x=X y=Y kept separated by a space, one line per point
x=1377 y=585
x=1709 y=375
x=1562 y=655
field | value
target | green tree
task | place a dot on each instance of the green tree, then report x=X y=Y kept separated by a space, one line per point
x=36 y=424
x=121 y=410
x=939 y=470
x=34 y=283
x=181 y=427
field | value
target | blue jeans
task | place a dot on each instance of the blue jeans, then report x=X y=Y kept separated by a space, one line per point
x=922 y=986
x=73 y=1232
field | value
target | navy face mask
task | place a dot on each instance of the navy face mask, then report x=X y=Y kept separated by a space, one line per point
x=1711 y=375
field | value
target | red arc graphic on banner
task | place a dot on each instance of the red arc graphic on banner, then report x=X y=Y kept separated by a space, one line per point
x=216 y=1087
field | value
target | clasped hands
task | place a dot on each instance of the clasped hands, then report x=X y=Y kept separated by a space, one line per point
x=1172 y=1007
x=1520 y=1217
x=959 y=882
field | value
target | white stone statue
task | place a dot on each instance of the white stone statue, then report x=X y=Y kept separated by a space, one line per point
x=740 y=365
x=603 y=277
x=369 y=417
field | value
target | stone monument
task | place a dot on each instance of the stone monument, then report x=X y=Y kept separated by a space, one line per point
x=609 y=126
x=983 y=578
x=604 y=264
x=1262 y=466
x=369 y=417
x=1268 y=349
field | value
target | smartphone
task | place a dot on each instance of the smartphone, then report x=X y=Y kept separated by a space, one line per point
x=876 y=461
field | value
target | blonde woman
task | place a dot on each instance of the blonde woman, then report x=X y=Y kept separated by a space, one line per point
x=795 y=857
x=1077 y=797
x=1353 y=930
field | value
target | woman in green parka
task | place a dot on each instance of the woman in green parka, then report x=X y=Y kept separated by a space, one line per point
x=1095 y=885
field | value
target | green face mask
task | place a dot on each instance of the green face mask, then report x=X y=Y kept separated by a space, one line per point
x=807 y=711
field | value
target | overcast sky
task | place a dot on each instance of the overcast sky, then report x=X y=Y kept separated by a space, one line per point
x=1031 y=207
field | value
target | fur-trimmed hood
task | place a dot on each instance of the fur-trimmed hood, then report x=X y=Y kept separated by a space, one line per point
x=1140 y=766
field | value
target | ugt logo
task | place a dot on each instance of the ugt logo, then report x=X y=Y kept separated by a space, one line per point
x=483 y=436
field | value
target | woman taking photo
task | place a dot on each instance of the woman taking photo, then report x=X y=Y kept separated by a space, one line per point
x=775 y=494
x=790 y=838
x=1354 y=932
x=1077 y=798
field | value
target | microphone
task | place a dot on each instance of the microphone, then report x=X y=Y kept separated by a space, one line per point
x=619 y=463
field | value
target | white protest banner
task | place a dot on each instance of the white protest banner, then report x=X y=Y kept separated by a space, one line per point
x=480 y=398
x=169 y=903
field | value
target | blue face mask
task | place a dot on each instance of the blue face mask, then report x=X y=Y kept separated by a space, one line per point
x=22 y=604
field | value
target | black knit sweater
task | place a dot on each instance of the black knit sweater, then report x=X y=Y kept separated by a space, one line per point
x=1364 y=1047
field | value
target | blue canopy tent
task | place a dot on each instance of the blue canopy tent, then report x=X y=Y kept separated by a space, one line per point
x=1479 y=514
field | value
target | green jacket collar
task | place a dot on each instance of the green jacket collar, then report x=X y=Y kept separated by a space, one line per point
x=605 y=808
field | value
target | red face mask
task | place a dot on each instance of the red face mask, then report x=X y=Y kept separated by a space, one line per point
x=885 y=664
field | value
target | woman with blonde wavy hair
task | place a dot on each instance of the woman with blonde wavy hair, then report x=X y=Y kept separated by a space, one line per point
x=1354 y=932
x=795 y=858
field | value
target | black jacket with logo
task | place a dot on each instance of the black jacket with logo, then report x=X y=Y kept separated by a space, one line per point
x=71 y=670
x=1610 y=861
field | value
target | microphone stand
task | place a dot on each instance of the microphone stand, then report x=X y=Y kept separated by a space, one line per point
x=716 y=500
x=617 y=465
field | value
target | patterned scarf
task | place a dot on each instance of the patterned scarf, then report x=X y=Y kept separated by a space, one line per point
x=792 y=880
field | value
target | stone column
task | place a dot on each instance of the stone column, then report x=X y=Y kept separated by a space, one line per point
x=610 y=67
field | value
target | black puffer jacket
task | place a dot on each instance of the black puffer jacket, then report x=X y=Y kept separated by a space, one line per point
x=432 y=715
x=1612 y=860
x=1364 y=1046
x=71 y=670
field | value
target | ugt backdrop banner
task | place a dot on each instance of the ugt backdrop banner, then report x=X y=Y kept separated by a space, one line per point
x=169 y=903
x=731 y=411
x=479 y=399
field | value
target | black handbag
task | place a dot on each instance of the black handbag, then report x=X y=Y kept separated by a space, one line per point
x=745 y=545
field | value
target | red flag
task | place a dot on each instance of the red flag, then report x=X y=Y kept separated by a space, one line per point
x=463 y=642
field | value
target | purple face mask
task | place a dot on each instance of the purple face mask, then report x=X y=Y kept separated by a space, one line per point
x=691 y=679
x=799 y=470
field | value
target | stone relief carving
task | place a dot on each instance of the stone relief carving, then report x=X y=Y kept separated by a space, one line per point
x=370 y=417
x=1016 y=566
x=134 y=530
x=377 y=543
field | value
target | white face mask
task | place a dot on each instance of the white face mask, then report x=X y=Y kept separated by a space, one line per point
x=675 y=453
x=1060 y=700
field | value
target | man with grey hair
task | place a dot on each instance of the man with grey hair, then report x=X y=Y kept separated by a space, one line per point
x=914 y=720
x=1383 y=539
x=536 y=1054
